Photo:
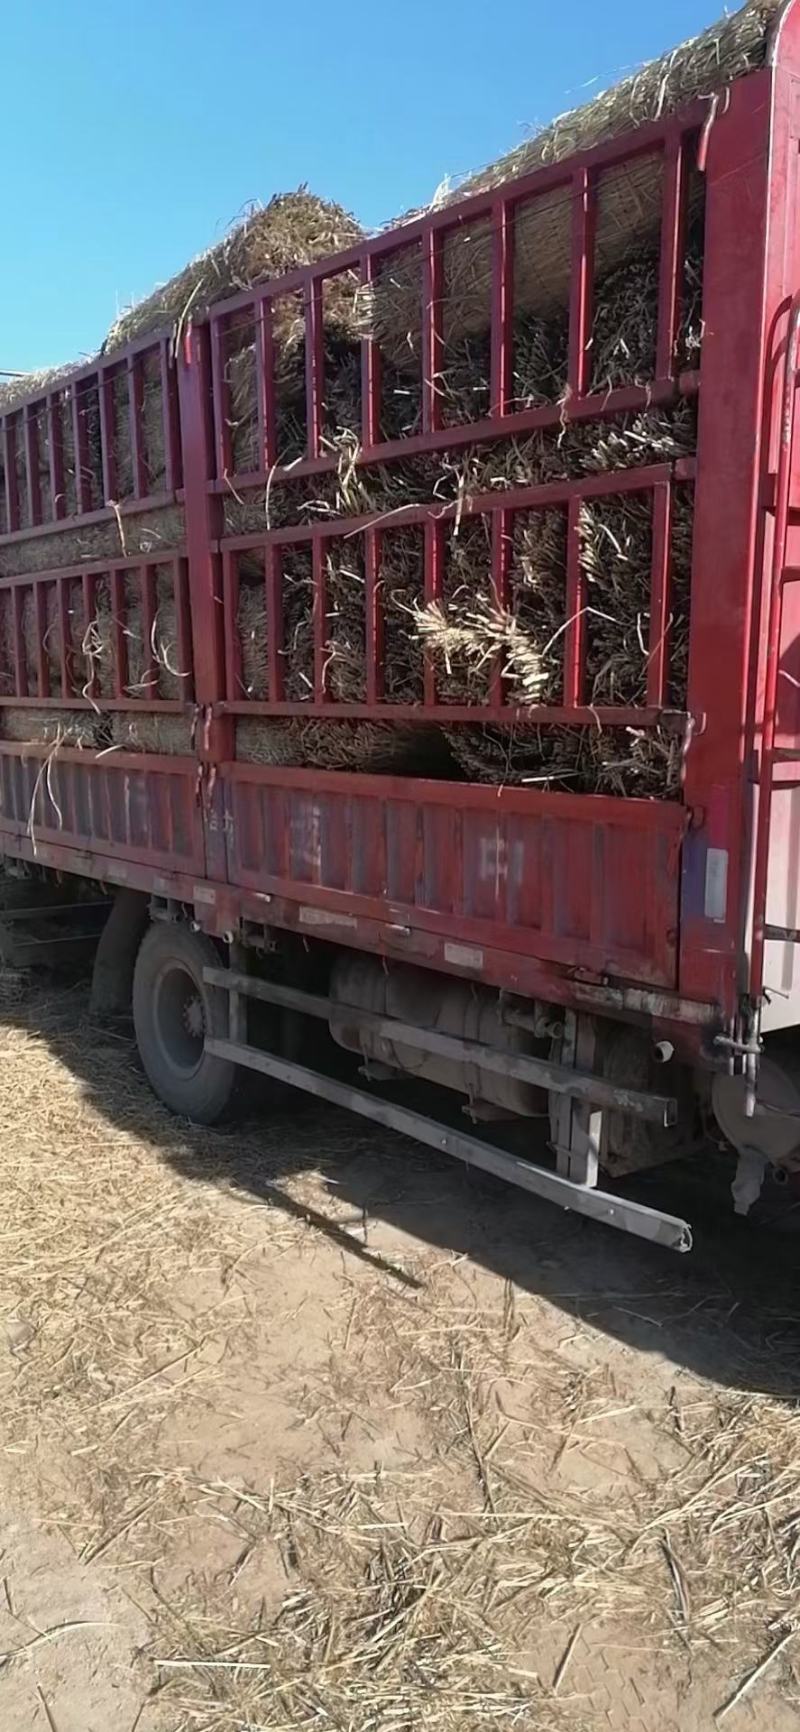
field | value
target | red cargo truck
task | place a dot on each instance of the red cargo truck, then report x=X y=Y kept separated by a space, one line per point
x=632 y=962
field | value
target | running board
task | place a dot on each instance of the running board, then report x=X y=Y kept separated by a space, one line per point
x=631 y=1217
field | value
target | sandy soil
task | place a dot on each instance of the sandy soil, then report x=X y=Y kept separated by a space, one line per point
x=303 y=1427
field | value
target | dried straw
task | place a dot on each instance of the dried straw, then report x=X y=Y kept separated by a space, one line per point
x=499 y=1483
x=51 y=727
x=298 y=624
x=702 y=66
x=153 y=668
x=346 y=655
x=137 y=532
x=251 y=626
x=401 y=574
x=379 y=747
x=471 y=634
x=167 y=735
x=627 y=762
x=267 y=241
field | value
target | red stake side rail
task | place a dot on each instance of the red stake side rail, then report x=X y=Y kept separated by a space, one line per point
x=654 y=483
x=67 y=440
x=672 y=144
x=642 y=908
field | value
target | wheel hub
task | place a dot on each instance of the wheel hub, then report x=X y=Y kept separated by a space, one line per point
x=193 y=1018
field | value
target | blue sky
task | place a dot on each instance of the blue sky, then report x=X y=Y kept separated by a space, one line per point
x=135 y=132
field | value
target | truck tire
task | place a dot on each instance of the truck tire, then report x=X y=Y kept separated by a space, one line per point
x=173 y=1010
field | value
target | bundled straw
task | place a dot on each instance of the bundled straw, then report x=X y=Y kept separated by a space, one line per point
x=268 y=241
x=51 y=727
x=380 y=747
x=140 y=532
x=153 y=668
x=735 y=45
x=623 y=761
x=167 y=735
x=251 y=626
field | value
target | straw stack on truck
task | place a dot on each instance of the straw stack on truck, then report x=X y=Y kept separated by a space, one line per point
x=401 y=630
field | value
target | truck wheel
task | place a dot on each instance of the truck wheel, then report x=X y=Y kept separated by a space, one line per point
x=173 y=1010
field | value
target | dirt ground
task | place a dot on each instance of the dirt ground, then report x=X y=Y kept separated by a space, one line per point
x=303 y=1427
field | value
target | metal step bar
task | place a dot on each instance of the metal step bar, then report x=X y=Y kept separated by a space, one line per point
x=651 y=1224
x=657 y=1109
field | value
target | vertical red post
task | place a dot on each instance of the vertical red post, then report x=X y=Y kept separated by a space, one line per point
x=575 y=634
x=20 y=663
x=772 y=643
x=370 y=366
x=55 y=439
x=273 y=577
x=748 y=270
x=373 y=605
x=31 y=428
x=147 y=578
x=234 y=686
x=434 y=568
x=89 y=589
x=83 y=482
x=180 y=580
x=169 y=412
x=584 y=210
x=141 y=485
x=502 y=339
x=659 y=648
x=501 y=559
x=432 y=319
x=203 y=530
x=6 y=651
x=315 y=366
x=42 y=663
x=12 y=491
x=673 y=241
x=265 y=385
x=65 y=630
x=121 y=676
x=319 y=555
x=105 y=392
x=221 y=397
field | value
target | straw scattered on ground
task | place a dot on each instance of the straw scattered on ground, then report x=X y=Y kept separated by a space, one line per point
x=479 y=1507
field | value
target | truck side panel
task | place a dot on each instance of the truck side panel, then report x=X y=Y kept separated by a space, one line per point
x=549 y=876
x=142 y=810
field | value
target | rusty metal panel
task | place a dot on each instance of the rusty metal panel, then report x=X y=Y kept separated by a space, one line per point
x=547 y=875
x=138 y=809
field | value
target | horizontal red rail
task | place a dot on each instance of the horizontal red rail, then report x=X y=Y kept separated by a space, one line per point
x=96 y=567
x=138 y=706
x=478 y=505
x=86 y=400
x=598 y=406
x=595 y=716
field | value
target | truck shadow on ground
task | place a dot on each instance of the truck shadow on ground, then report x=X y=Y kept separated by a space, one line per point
x=728 y=1311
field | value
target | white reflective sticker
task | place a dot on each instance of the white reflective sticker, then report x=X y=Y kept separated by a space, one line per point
x=324 y=917
x=202 y=893
x=716 y=900
x=463 y=956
